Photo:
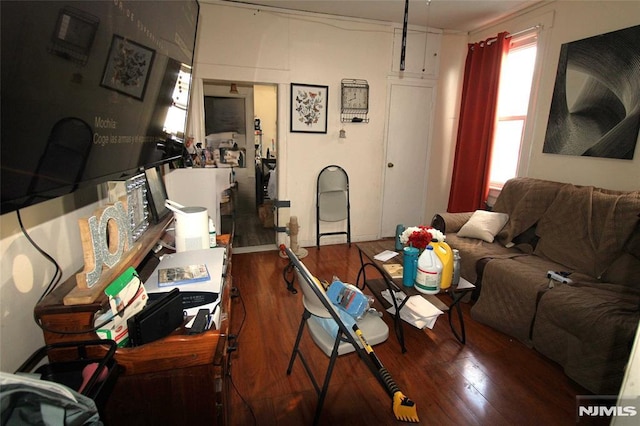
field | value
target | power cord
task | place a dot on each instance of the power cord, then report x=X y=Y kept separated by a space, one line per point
x=53 y=283
x=288 y=270
x=235 y=293
x=57 y=276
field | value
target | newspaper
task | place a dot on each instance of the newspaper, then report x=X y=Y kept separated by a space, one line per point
x=418 y=311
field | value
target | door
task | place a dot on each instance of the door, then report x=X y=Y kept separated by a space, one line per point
x=407 y=146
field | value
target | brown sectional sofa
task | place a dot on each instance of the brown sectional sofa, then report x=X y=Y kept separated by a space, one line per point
x=587 y=326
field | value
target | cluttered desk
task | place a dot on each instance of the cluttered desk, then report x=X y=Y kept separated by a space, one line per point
x=156 y=373
x=200 y=287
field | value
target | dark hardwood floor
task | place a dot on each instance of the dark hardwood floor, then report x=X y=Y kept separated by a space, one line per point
x=492 y=380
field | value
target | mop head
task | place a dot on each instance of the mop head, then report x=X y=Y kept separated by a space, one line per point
x=404 y=408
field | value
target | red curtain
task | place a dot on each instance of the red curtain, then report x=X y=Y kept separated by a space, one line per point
x=470 y=180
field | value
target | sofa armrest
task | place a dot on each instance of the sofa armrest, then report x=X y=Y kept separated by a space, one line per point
x=450 y=222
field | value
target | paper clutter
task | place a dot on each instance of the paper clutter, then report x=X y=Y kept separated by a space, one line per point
x=418 y=311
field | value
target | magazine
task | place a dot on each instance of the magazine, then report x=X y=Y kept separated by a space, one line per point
x=182 y=275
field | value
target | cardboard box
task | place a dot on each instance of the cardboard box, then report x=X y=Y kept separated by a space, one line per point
x=265 y=213
x=125 y=292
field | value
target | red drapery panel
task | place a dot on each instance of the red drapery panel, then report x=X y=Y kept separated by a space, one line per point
x=470 y=180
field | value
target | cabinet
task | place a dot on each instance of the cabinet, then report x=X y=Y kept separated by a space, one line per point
x=180 y=379
x=422 y=52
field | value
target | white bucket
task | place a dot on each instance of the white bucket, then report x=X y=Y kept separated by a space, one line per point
x=192 y=226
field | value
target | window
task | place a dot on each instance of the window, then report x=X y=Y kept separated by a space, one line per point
x=177 y=115
x=513 y=102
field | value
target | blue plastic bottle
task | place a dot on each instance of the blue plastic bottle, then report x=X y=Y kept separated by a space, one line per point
x=409 y=266
x=348 y=297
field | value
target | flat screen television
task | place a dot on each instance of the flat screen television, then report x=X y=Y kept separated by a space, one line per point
x=86 y=90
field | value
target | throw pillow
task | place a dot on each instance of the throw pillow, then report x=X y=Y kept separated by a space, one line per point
x=483 y=225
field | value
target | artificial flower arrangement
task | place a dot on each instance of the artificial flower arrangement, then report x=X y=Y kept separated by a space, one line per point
x=420 y=236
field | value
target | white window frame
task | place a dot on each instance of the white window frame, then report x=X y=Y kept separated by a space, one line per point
x=525 y=142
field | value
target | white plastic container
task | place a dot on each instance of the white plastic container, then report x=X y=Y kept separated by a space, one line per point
x=429 y=272
x=192 y=226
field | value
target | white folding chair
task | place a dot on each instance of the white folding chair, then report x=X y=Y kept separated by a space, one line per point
x=317 y=308
x=332 y=201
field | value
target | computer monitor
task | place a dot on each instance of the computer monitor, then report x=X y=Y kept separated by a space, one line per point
x=156 y=194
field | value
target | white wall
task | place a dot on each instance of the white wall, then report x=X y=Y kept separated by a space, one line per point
x=447 y=111
x=564 y=22
x=25 y=273
x=243 y=44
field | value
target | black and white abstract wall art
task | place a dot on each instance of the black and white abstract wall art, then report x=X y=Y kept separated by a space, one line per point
x=595 y=110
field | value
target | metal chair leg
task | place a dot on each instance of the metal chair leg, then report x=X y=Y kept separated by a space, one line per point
x=327 y=378
x=321 y=392
x=305 y=316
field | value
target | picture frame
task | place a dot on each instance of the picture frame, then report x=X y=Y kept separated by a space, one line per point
x=592 y=90
x=308 y=108
x=128 y=67
x=74 y=34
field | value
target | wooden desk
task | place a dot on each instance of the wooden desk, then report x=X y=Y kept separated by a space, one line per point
x=367 y=252
x=179 y=379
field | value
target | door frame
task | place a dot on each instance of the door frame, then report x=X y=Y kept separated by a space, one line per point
x=195 y=122
x=399 y=81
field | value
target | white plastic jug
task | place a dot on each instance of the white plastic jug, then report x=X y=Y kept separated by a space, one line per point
x=192 y=226
x=429 y=272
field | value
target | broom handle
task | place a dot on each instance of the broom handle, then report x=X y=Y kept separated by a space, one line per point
x=388 y=381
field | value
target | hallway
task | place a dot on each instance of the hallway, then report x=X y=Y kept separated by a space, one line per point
x=250 y=234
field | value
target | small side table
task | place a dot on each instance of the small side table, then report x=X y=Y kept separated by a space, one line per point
x=367 y=252
x=457 y=294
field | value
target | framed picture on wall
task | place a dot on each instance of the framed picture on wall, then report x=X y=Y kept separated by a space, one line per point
x=74 y=34
x=128 y=67
x=309 y=108
x=593 y=112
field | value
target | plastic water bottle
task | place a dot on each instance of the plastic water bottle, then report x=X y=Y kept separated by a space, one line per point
x=409 y=266
x=428 y=273
x=212 y=234
x=348 y=297
x=399 y=231
x=456 y=268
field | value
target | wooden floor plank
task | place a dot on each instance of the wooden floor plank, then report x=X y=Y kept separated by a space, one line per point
x=493 y=379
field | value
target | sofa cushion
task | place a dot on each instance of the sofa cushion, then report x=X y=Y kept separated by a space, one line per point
x=472 y=250
x=509 y=293
x=585 y=228
x=625 y=270
x=483 y=225
x=589 y=330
